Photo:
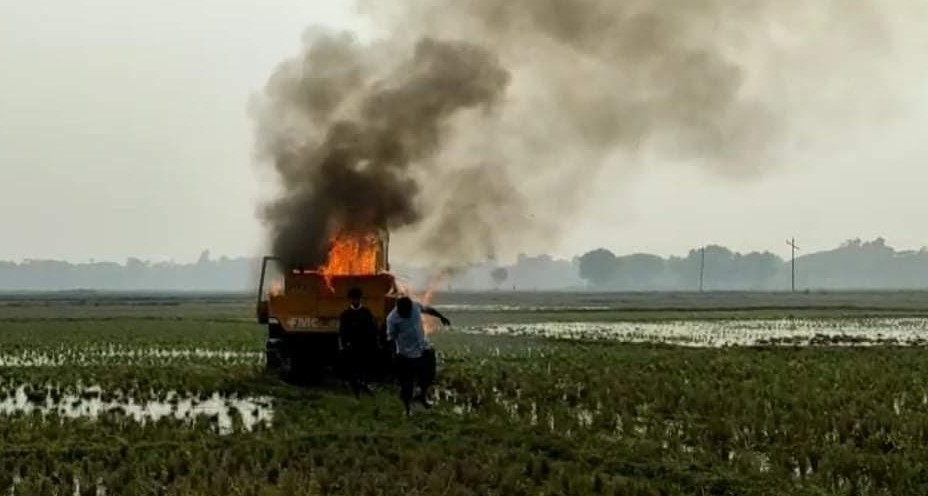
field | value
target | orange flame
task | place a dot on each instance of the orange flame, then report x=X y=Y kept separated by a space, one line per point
x=429 y=323
x=276 y=288
x=351 y=255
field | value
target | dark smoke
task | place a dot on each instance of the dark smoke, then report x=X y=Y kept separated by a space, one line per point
x=351 y=170
x=469 y=148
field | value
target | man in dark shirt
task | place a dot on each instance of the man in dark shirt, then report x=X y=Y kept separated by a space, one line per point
x=357 y=334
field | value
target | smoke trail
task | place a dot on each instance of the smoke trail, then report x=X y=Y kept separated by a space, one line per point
x=478 y=126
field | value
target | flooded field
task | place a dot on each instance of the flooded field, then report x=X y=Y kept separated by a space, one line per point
x=92 y=355
x=720 y=333
x=537 y=394
x=223 y=414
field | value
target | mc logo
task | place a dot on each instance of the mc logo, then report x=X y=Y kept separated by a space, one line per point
x=303 y=322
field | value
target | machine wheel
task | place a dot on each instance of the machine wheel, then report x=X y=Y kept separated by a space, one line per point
x=272 y=349
x=302 y=358
x=295 y=367
x=285 y=369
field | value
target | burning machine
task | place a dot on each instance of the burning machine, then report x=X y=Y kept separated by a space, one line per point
x=301 y=306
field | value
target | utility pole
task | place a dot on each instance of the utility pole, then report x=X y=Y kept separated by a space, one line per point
x=794 y=246
x=702 y=265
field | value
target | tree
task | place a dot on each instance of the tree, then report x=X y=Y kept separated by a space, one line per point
x=640 y=271
x=758 y=270
x=499 y=275
x=598 y=267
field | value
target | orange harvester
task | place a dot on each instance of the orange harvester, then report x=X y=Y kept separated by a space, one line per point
x=301 y=307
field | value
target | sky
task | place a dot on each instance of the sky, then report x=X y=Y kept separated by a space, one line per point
x=124 y=132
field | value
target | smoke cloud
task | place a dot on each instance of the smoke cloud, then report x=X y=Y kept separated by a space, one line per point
x=477 y=127
x=346 y=142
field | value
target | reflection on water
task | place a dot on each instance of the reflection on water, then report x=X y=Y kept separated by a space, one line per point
x=226 y=414
x=109 y=355
x=720 y=333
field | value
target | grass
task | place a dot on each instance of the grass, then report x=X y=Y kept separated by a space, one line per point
x=514 y=415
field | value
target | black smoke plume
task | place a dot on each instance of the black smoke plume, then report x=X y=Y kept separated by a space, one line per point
x=474 y=127
x=346 y=165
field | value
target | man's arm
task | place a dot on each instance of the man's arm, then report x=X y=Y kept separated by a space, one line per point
x=435 y=313
x=391 y=329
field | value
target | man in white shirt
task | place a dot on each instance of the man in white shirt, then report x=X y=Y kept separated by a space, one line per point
x=415 y=358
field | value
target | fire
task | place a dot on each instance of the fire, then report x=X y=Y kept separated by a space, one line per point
x=351 y=255
x=434 y=283
x=429 y=323
x=276 y=288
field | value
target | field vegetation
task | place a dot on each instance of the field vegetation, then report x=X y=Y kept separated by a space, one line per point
x=170 y=397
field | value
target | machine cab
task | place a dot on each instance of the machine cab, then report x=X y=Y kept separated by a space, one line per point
x=301 y=300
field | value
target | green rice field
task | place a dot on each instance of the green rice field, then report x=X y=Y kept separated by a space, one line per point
x=538 y=394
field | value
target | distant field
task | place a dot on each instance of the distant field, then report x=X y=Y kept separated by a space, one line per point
x=539 y=393
x=496 y=307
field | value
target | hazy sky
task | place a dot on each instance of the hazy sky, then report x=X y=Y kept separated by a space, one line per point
x=124 y=132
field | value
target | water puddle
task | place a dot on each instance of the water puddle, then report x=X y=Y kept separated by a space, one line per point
x=226 y=414
x=110 y=355
x=721 y=333
x=500 y=308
